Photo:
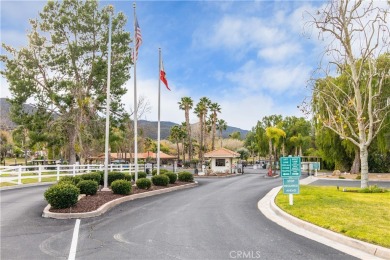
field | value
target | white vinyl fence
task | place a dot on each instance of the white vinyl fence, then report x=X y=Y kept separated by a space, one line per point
x=15 y=174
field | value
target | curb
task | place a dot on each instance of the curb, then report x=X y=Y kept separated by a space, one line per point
x=354 y=247
x=228 y=176
x=104 y=208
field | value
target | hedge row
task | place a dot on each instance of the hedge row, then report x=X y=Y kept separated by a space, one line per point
x=65 y=193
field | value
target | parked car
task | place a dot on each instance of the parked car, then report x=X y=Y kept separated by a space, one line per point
x=119 y=161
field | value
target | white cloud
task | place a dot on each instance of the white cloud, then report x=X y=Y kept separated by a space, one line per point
x=278 y=78
x=234 y=32
x=4 y=93
x=14 y=38
x=281 y=52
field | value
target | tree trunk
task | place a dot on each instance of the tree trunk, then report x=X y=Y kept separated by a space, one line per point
x=201 y=139
x=189 y=134
x=270 y=155
x=178 y=152
x=72 y=143
x=213 y=136
x=184 y=151
x=355 y=169
x=364 y=166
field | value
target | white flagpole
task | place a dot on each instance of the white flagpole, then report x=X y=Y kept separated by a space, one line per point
x=105 y=187
x=158 y=124
x=135 y=104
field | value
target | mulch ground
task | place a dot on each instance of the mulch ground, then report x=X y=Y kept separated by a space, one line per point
x=91 y=203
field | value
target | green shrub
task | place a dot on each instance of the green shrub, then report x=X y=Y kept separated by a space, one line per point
x=341 y=177
x=88 y=187
x=101 y=173
x=92 y=176
x=140 y=175
x=160 y=180
x=70 y=179
x=185 y=176
x=372 y=189
x=121 y=187
x=172 y=177
x=359 y=177
x=62 y=195
x=128 y=177
x=162 y=171
x=143 y=183
x=113 y=176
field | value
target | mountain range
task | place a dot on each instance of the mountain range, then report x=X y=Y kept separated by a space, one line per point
x=149 y=128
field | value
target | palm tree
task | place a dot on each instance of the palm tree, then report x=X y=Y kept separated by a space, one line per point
x=184 y=128
x=274 y=134
x=201 y=110
x=176 y=135
x=221 y=126
x=214 y=108
x=299 y=141
x=186 y=104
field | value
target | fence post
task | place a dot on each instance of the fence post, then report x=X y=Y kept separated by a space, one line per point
x=58 y=172
x=40 y=173
x=19 y=174
x=74 y=170
x=88 y=170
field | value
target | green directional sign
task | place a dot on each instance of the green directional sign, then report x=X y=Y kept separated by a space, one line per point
x=290 y=167
x=316 y=166
x=291 y=185
x=296 y=166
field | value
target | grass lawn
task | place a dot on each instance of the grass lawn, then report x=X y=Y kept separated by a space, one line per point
x=9 y=161
x=35 y=180
x=364 y=216
x=5 y=184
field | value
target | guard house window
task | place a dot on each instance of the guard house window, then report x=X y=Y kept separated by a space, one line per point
x=219 y=162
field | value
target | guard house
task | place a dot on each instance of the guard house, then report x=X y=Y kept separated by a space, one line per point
x=222 y=160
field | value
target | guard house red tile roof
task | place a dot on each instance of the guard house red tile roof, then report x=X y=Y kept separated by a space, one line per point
x=222 y=153
x=145 y=155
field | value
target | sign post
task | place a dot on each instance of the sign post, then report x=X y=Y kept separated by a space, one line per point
x=290 y=171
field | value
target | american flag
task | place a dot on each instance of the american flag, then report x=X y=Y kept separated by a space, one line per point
x=138 y=38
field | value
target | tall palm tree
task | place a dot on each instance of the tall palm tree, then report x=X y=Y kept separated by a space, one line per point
x=214 y=108
x=184 y=136
x=201 y=110
x=186 y=104
x=221 y=126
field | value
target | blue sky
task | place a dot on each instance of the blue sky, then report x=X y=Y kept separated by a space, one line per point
x=251 y=57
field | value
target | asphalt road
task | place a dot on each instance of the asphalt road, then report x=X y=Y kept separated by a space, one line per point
x=217 y=220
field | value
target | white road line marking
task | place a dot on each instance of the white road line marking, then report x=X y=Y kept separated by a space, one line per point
x=73 y=246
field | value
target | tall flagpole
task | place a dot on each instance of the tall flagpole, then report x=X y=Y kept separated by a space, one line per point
x=105 y=187
x=135 y=103
x=158 y=124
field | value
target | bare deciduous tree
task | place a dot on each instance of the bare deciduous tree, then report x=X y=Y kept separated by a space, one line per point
x=355 y=104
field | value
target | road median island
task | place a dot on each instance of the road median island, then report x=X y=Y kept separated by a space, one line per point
x=109 y=205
